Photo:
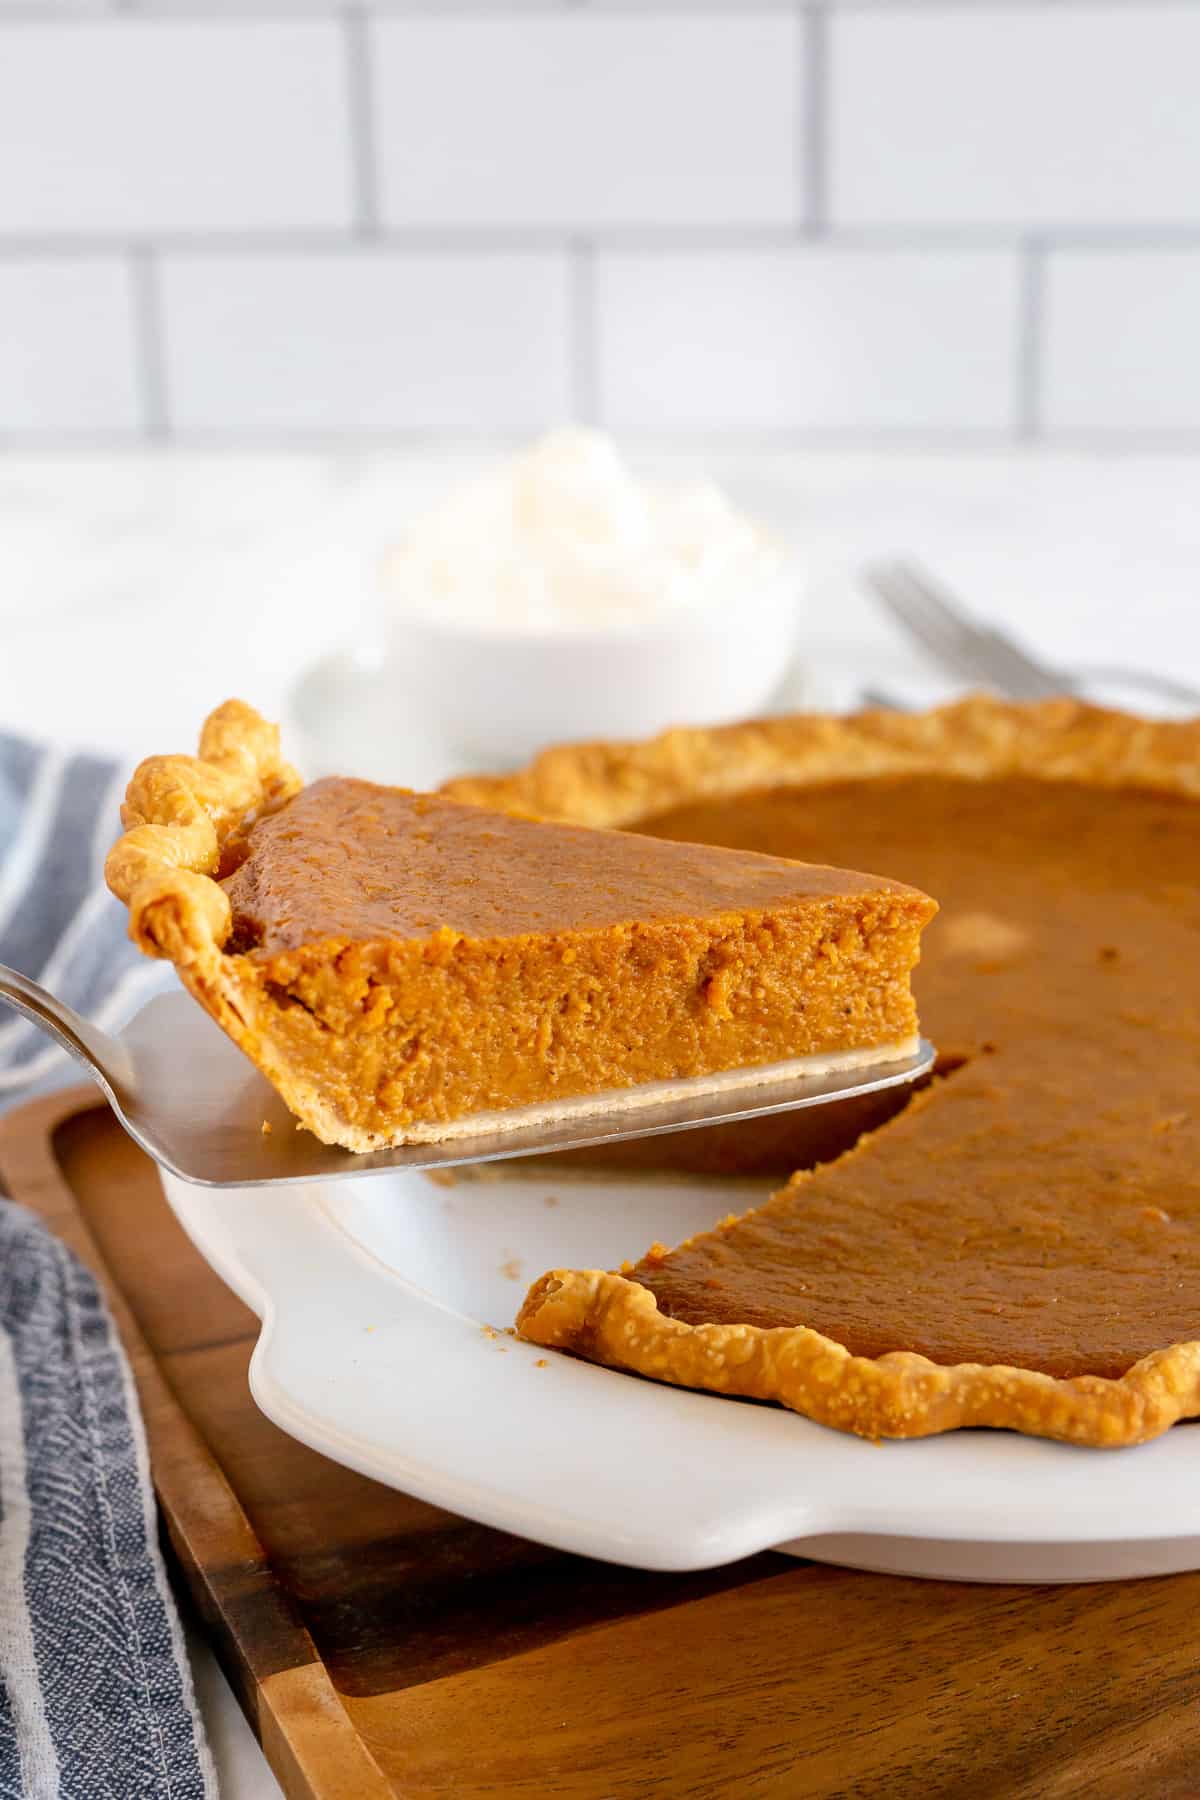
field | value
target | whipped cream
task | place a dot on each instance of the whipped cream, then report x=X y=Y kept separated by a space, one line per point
x=564 y=538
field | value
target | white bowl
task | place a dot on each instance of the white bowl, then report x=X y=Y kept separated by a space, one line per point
x=501 y=694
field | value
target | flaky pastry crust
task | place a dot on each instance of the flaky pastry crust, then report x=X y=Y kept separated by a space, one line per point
x=183 y=818
x=610 y=1319
x=615 y=785
x=613 y=1319
x=180 y=814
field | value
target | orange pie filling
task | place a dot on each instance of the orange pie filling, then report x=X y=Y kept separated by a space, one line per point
x=457 y=964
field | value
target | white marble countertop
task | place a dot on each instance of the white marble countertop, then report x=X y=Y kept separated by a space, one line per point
x=136 y=590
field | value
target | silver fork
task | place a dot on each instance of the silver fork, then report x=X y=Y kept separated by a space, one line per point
x=939 y=622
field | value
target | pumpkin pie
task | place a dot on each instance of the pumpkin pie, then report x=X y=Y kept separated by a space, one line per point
x=405 y=967
x=1020 y=1245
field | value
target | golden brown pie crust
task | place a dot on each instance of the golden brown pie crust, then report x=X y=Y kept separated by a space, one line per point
x=615 y=1318
x=402 y=965
x=180 y=815
x=611 y=1319
x=1053 y=740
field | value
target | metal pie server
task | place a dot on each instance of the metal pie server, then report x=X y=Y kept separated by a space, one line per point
x=194 y=1103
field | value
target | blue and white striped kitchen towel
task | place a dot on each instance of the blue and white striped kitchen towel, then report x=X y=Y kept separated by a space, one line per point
x=58 y=922
x=96 y=1698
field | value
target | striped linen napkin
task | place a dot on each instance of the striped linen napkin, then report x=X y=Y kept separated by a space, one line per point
x=58 y=922
x=96 y=1699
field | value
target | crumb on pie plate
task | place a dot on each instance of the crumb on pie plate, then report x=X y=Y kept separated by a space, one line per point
x=406 y=967
x=1020 y=1246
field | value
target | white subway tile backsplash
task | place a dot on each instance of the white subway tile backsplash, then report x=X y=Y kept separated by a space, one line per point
x=173 y=125
x=375 y=341
x=808 y=340
x=1121 y=340
x=861 y=217
x=1010 y=116
x=579 y=121
x=68 y=351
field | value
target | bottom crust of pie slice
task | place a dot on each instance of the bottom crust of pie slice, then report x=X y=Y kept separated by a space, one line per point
x=652 y=1093
x=611 y=1319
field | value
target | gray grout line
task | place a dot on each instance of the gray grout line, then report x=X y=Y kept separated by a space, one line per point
x=167 y=12
x=814 y=115
x=28 y=12
x=646 y=239
x=1007 y=6
x=584 y=344
x=1031 y=316
x=148 y=325
x=290 y=241
x=1115 y=442
x=76 y=14
x=361 y=110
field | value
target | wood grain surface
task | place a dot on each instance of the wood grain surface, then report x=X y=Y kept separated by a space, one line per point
x=381 y=1646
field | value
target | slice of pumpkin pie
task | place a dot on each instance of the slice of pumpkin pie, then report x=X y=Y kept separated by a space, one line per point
x=404 y=967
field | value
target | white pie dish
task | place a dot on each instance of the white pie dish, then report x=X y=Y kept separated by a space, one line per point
x=410 y=1378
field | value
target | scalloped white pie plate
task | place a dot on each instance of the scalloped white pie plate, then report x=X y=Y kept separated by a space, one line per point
x=383 y=1307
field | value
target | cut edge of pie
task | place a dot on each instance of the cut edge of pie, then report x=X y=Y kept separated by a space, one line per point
x=611 y=1318
x=333 y=998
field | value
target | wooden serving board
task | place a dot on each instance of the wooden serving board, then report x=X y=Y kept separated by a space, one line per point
x=381 y=1647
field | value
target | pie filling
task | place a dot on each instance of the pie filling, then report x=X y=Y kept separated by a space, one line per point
x=412 y=968
x=1040 y=1207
